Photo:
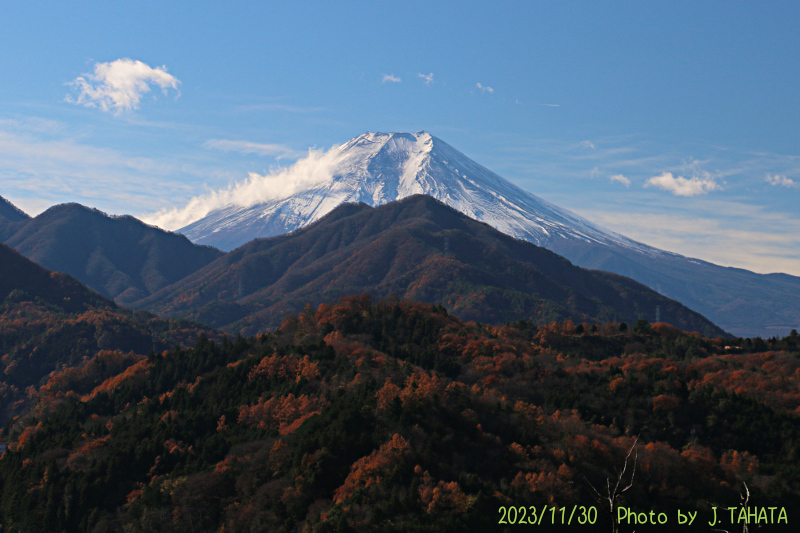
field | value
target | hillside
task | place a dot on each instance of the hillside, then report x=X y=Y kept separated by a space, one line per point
x=417 y=248
x=120 y=257
x=394 y=416
x=20 y=277
x=49 y=321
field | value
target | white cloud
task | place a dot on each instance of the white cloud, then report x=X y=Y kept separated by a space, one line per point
x=119 y=85
x=779 y=180
x=391 y=78
x=681 y=186
x=619 y=178
x=315 y=169
x=246 y=147
x=426 y=78
x=484 y=88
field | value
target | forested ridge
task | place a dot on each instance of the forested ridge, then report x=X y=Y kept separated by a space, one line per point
x=393 y=415
x=417 y=248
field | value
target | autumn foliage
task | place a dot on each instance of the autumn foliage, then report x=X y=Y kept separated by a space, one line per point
x=391 y=415
x=285 y=413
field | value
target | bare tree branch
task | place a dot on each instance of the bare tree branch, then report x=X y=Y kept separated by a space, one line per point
x=609 y=502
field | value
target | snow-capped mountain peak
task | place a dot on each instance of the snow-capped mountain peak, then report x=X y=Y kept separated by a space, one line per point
x=376 y=168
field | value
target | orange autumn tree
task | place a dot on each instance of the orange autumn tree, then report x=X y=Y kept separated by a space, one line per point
x=382 y=463
x=284 y=413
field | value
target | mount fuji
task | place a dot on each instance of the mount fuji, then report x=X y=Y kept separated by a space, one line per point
x=377 y=168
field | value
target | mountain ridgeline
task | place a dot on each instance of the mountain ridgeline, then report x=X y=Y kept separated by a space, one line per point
x=376 y=168
x=416 y=248
x=11 y=218
x=120 y=257
x=9 y=213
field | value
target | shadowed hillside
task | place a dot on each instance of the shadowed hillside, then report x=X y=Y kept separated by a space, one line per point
x=415 y=248
x=120 y=257
x=49 y=321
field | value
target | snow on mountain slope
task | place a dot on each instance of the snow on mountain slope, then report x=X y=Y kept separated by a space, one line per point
x=376 y=168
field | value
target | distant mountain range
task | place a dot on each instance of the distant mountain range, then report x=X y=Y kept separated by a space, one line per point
x=120 y=257
x=376 y=168
x=128 y=261
x=417 y=248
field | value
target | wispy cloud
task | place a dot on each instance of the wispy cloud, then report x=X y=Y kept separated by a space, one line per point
x=756 y=240
x=65 y=170
x=619 y=178
x=391 y=78
x=779 y=180
x=427 y=79
x=484 y=88
x=310 y=171
x=119 y=85
x=41 y=164
x=32 y=125
x=680 y=186
x=246 y=147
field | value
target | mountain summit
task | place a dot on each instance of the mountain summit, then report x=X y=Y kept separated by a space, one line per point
x=377 y=168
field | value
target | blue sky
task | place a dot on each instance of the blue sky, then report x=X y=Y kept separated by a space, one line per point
x=674 y=123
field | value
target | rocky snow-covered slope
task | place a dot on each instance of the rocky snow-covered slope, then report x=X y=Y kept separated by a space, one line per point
x=376 y=168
